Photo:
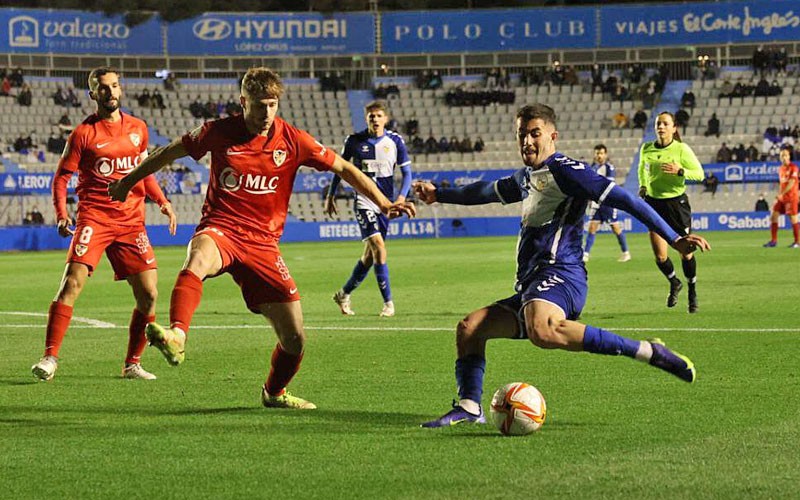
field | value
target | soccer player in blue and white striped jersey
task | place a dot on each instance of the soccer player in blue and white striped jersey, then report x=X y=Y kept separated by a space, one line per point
x=376 y=151
x=551 y=281
x=601 y=213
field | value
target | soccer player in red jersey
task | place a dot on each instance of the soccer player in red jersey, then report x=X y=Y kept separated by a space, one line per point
x=787 y=200
x=254 y=161
x=105 y=147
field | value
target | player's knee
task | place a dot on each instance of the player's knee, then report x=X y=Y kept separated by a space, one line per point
x=146 y=299
x=71 y=287
x=543 y=334
x=465 y=331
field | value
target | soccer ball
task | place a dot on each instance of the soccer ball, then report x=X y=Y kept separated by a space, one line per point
x=518 y=409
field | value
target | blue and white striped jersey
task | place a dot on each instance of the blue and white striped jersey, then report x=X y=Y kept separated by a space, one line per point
x=554 y=199
x=377 y=157
x=607 y=170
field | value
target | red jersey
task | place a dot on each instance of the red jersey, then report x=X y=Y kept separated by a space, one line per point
x=252 y=175
x=786 y=174
x=102 y=152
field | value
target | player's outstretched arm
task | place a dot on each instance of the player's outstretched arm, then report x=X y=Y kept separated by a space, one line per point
x=364 y=185
x=690 y=243
x=477 y=193
x=161 y=157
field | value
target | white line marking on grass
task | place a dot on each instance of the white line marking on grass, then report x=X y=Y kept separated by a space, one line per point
x=428 y=329
x=93 y=323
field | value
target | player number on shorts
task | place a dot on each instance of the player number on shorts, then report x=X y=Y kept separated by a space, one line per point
x=86 y=235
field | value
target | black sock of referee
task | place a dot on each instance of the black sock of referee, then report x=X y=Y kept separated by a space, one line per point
x=690 y=271
x=666 y=268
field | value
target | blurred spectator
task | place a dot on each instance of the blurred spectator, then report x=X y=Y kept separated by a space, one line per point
x=444 y=145
x=531 y=76
x=762 y=205
x=417 y=144
x=171 y=82
x=455 y=144
x=619 y=120
x=466 y=145
x=380 y=91
x=557 y=73
x=412 y=126
x=504 y=81
x=23 y=144
x=751 y=153
x=597 y=78
x=640 y=119
x=762 y=88
x=431 y=145
x=25 y=97
x=196 y=108
x=36 y=216
x=72 y=98
x=713 y=126
x=60 y=96
x=5 y=87
x=157 y=100
x=726 y=90
x=724 y=154
x=650 y=96
x=56 y=143
x=710 y=184
x=688 y=100
x=479 y=145
x=392 y=90
x=64 y=123
x=780 y=61
x=17 y=78
x=620 y=93
x=232 y=107
x=682 y=119
x=570 y=76
x=775 y=88
x=760 y=60
x=739 y=154
x=634 y=73
x=435 y=81
x=326 y=82
x=392 y=124
x=492 y=78
x=144 y=99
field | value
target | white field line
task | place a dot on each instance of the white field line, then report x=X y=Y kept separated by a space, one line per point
x=91 y=323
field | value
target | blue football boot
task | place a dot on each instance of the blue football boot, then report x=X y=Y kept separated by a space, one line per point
x=456 y=416
x=672 y=362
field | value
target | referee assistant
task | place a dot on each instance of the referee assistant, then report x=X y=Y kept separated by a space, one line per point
x=664 y=167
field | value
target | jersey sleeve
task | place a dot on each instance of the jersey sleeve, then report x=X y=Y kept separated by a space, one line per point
x=510 y=189
x=71 y=156
x=313 y=154
x=347 y=149
x=576 y=180
x=642 y=173
x=402 y=152
x=199 y=141
x=692 y=168
x=611 y=172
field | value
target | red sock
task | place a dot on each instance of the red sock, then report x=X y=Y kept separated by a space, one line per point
x=136 y=338
x=58 y=318
x=773 y=229
x=284 y=367
x=796 y=231
x=185 y=299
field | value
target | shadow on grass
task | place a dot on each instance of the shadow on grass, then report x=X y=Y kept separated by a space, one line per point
x=18 y=381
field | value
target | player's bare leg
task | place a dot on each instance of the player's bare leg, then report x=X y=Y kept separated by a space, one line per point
x=548 y=328
x=59 y=317
x=145 y=291
x=472 y=333
x=203 y=259
x=287 y=320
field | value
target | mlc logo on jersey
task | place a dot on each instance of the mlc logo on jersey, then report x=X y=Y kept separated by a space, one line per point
x=231 y=180
x=212 y=29
x=23 y=31
x=107 y=166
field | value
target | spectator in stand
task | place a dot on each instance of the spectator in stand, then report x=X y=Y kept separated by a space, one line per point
x=762 y=205
x=751 y=153
x=210 y=110
x=144 y=99
x=760 y=60
x=392 y=125
x=56 y=143
x=157 y=100
x=326 y=83
x=60 y=96
x=431 y=145
x=619 y=120
x=739 y=154
x=196 y=108
x=762 y=88
x=713 y=126
x=620 y=93
x=710 y=184
x=25 y=97
x=479 y=145
x=455 y=144
x=421 y=80
x=724 y=154
x=557 y=73
x=171 y=82
x=682 y=119
x=232 y=107
x=505 y=79
x=23 y=144
x=444 y=145
x=411 y=126
x=688 y=100
x=492 y=78
x=392 y=90
x=417 y=144
x=17 y=78
x=72 y=98
x=640 y=119
x=64 y=123
x=597 y=79
x=781 y=60
x=571 y=76
x=380 y=91
x=5 y=89
x=37 y=219
x=466 y=145
x=435 y=81
x=650 y=95
x=775 y=89
x=726 y=90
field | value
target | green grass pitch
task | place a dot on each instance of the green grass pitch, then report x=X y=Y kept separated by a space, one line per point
x=615 y=427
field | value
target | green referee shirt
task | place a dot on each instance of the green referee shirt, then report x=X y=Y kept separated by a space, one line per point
x=659 y=184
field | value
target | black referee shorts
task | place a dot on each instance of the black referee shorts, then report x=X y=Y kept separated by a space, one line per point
x=675 y=211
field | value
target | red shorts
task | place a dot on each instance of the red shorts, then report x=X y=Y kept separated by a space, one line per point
x=786 y=207
x=256 y=266
x=127 y=247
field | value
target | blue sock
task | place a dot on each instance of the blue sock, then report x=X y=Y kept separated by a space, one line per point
x=599 y=341
x=589 y=243
x=469 y=377
x=623 y=243
x=382 y=275
x=356 y=277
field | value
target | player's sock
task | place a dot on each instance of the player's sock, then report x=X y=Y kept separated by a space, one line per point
x=589 y=243
x=623 y=242
x=382 y=275
x=58 y=317
x=137 y=341
x=690 y=270
x=599 y=341
x=773 y=231
x=283 y=368
x=185 y=299
x=469 y=377
x=356 y=277
x=666 y=268
x=796 y=232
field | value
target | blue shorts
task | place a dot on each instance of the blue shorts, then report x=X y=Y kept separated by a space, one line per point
x=562 y=286
x=371 y=223
x=605 y=214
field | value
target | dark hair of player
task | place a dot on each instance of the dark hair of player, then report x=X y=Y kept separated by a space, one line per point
x=262 y=83
x=541 y=111
x=601 y=147
x=95 y=74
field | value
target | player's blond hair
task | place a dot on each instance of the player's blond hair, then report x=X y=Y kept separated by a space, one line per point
x=376 y=105
x=95 y=74
x=262 y=83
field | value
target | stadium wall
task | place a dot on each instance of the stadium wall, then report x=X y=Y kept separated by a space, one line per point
x=27 y=238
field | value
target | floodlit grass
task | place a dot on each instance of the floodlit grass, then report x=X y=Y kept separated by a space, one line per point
x=615 y=428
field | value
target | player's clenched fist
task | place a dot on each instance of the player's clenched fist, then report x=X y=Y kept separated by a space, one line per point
x=690 y=243
x=425 y=191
